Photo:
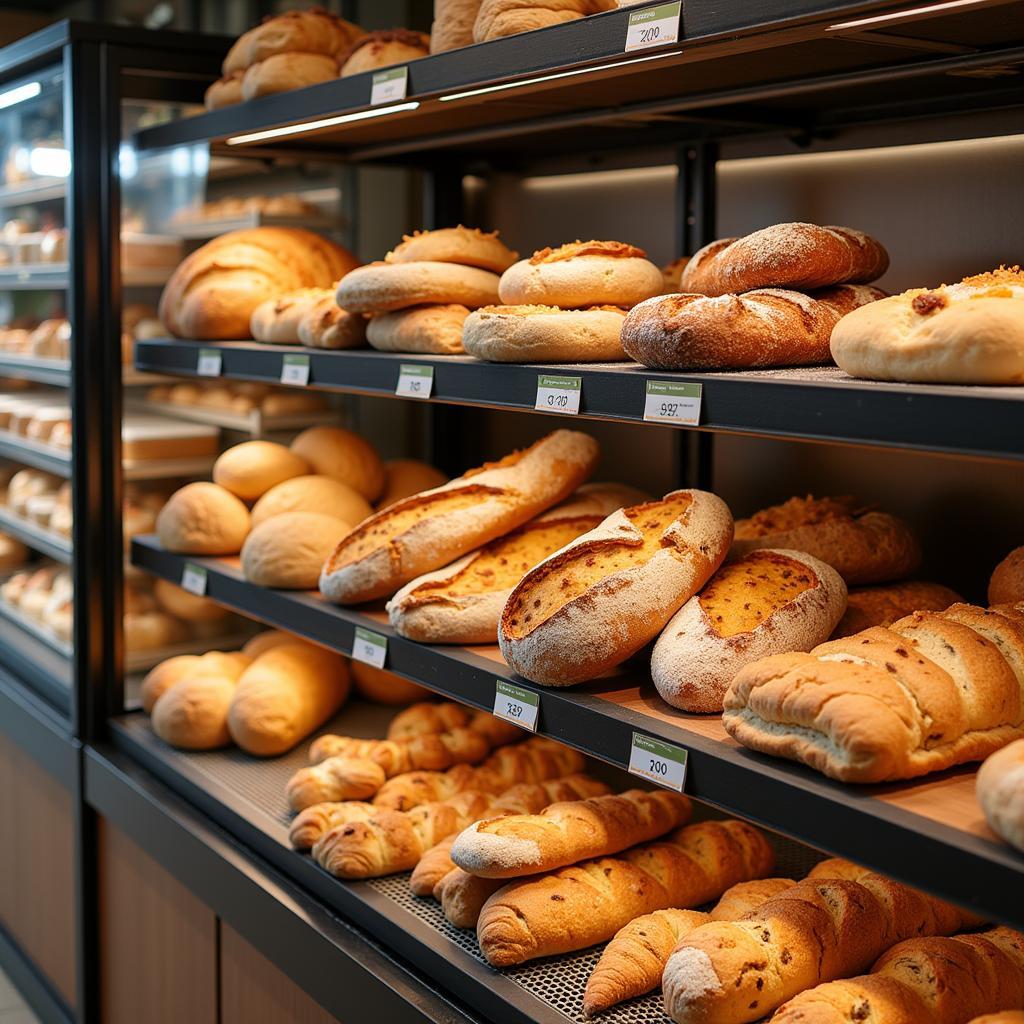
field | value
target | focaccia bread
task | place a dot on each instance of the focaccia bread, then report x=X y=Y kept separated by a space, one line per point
x=498 y=18
x=428 y=530
x=383 y=287
x=771 y=601
x=601 y=598
x=469 y=246
x=313 y=30
x=882 y=605
x=1000 y=789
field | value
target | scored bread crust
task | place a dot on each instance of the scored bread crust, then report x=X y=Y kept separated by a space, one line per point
x=433 y=330
x=488 y=502
x=546 y=334
x=311 y=31
x=277 y=320
x=324 y=324
x=382 y=287
x=617 y=613
x=469 y=247
x=285 y=71
x=692 y=665
x=1000 y=789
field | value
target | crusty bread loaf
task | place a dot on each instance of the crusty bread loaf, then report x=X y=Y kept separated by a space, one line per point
x=470 y=247
x=1000 y=788
x=452 y=27
x=382 y=287
x=313 y=30
x=432 y=867
x=405 y=477
x=1006 y=586
x=383 y=687
x=343 y=455
x=248 y=470
x=287 y=550
x=326 y=325
x=498 y=18
x=770 y=601
x=383 y=48
x=430 y=330
x=277 y=320
x=313 y=822
x=283 y=72
x=670 y=275
x=312 y=493
x=193 y=713
x=225 y=92
x=203 y=519
x=882 y=605
x=171 y=671
x=863 y=546
x=797 y=255
x=428 y=530
x=605 y=595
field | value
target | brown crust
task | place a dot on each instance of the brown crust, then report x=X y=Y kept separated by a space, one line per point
x=536 y=310
x=1006 y=585
x=404 y=36
x=884 y=605
x=569 y=251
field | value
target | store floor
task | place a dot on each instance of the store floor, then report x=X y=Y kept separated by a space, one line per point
x=12 y=1007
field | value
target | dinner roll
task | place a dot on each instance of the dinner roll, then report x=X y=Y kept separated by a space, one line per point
x=344 y=455
x=384 y=687
x=322 y=494
x=250 y=469
x=289 y=550
x=203 y=519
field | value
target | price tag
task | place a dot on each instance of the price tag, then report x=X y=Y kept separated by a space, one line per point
x=389 y=85
x=193 y=579
x=559 y=394
x=209 y=363
x=368 y=647
x=653 y=26
x=295 y=370
x=669 y=402
x=415 y=381
x=516 y=705
x=660 y=762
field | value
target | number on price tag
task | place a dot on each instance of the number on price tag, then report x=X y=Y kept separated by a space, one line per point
x=653 y=26
x=669 y=402
x=559 y=394
x=415 y=381
x=369 y=647
x=660 y=762
x=389 y=85
x=209 y=363
x=295 y=370
x=516 y=705
x=193 y=579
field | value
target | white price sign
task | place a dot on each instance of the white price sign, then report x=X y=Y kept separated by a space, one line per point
x=369 y=647
x=295 y=370
x=389 y=85
x=669 y=402
x=657 y=761
x=415 y=381
x=559 y=394
x=516 y=705
x=209 y=363
x=653 y=26
x=193 y=579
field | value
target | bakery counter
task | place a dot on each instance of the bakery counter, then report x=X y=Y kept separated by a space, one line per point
x=37 y=537
x=55 y=372
x=930 y=833
x=818 y=403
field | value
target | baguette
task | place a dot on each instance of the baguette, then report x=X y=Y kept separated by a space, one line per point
x=427 y=717
x=601 y=598
x=746 y=897
x=579 y=906
x=429 y=530
x=309 y=825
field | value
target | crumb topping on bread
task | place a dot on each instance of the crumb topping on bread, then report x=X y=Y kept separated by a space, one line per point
x=569 y=251
x=796 y=512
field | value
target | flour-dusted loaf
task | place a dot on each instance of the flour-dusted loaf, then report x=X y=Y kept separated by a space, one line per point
x=883 y=604
x=770 y=601
x=933 y=690
x=1006 y=585
x=605 y=595
x=1000 y=789
x=429 y=530
x=498 y=18
x=382 y=287
x=470 y=247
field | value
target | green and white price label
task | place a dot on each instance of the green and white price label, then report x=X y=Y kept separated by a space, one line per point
x=559 y=394
x=369 y=647
x=653 y=26
x=669 y=402
x=193 y=579
x=415 y=381
x=516 y=705
x=389 y=85
x=209 y=363
x=295 y=370
x=657 y=761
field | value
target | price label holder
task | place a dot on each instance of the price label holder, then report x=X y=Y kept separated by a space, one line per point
x=209 y=363
x=559 y=394
x=389 y=85
x=193 y=579
x=415 y=381
x=653 y=26
x=669 y=402
x=295 y=370
x=516 y=705
x=658 y=761
x=370 y=647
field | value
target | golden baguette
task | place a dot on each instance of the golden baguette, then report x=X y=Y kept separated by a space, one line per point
x=746 y=897
x=314 y=821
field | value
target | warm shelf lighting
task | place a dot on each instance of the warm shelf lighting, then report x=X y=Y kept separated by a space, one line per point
x=912 y=12
x=19 y=94
x=327 y=122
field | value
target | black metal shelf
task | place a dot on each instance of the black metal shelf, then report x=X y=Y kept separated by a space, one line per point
x=873 y=825
x=55 y=372
x=36 y=537
x=34 y=277
x=32 y=453
x=36 y=190
x=820 y=404
x=37 y=663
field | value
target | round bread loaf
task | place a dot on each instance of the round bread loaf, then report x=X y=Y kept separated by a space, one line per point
x=251 y=468
x=529 y=334
x=382 y=49
x=193 y=714
x=286 y=71
x=582 y=274
x=277 y=320
x=288 y=550
x=888 y=603
x=382 y=287
x=405 y=477
x=326 y=325
x=498 y=18
x=187 y=606
x=203 y=519
x=470 y=247
x=1007 y=583
x=225 y=92
x=313 y=30
x=1000 y=789
x=148 y=631
x=262 y=642
x=343 y=455
x=168 y=673
x=321 y=494
x=384 y=687
x=434 y=330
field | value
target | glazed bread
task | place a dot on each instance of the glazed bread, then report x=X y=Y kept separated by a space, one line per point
x=427 y=717
x=203 y=519
x=863 y=546
x=967 y=333
x=430 y=330
x=383 y=287
x=310 y=31
x=277 y=320
x=225 y=92
x=325 y=324
x=342 y=455
x=882 y=605
x=453 y=24
x=287 y=551
x=323 y=495
x=429 y=530
x=313 y=822
x=731 y=972
x=405 y=477
x=498 y=18
x=250 y=469
x=1000 y=789
x=383 y=687
x=470 y=247
x=770 y=601
x=765 y=327
x=605 y=595
x=797 y=255
x=1006 y=585
x=579 y=906
x=193 y=714
x=286 y=71
x=383 y=48
x=933 y=690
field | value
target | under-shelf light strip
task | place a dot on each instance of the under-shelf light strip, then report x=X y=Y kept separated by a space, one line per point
x=911 y=12
x=327 y=122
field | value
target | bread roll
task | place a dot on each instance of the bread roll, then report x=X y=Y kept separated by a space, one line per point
x=427 y=717
x=225 y=92
x=1007 y=583
x=262 y=642
x=383 y=48
x=498 y=18
x=323 y=495
x=251 y=468
x=326 y=325
x=313 y=822
x=882 y=605
x=310 y=31
x=384 y=687
x=288 y=550
x=383 y=287
x=285 y=71
x=277 y=320
x=203 y=519
x=343 y=455
x=284 y=695
x=405 y=477
x=467 y=246
x=453 y=24
x=193 y=714
x=188 y=666
x=1000 y=788
x=187 y=606
x=432 y=330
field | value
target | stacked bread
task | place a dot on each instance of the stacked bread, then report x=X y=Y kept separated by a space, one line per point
x=770 y=298
x=564 y=305
x=419 y=296
x=238 y=397
x=40 y=416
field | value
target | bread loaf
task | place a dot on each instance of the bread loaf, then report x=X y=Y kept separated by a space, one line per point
x=426 y=330
x=427 y=717
x=286 y=71
x=383 y=687
x=313 y=30
x=452 y=27
x=342 y=455
x=288 y=550
x=384 y=287
x=250 y=469
x=185 y=666
x=428 y=530
x=185 y=605
x=225 y=92
x=262 y=642
x=383 y=48
x=320 y=494
x=203 y=519
x=1006 y=585
x=771 y=601
x=326 y=325
x=334 y=780
x=313 y=822
x=670 y=275
x=469 y=247
x=1000 y=788
x=462 y=896
x=277 y=320
x=605 y=595
x=405 y=477
x=882 y=605
x=498 y=18
x=193 y=714
x=1003 y=1017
